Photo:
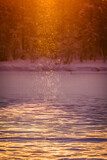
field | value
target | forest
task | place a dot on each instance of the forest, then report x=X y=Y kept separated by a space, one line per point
x=57 y=29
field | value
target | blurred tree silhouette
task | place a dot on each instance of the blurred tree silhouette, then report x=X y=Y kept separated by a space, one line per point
x=64 y=29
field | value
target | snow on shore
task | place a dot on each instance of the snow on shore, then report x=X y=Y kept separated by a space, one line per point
x=45 y=64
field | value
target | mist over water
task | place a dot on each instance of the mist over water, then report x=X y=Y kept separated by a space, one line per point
x=53 y=115
x=51 y=109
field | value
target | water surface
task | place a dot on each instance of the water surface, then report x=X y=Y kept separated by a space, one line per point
x=53 y=115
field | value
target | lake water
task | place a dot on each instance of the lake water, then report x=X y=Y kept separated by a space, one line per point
x=53 y=116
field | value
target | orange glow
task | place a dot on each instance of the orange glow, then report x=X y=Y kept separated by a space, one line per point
x=53 y=28
x=46 y=29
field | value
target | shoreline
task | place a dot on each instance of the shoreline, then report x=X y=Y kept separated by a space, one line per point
x=45 y=64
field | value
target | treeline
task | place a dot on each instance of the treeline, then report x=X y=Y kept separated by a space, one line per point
x=64 y=29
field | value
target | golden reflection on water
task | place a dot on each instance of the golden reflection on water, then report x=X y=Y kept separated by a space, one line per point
x=43 y=131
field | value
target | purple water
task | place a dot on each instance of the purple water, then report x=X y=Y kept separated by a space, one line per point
x=53 y=115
